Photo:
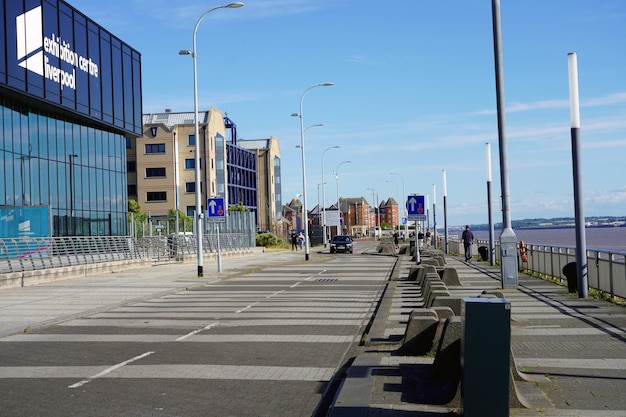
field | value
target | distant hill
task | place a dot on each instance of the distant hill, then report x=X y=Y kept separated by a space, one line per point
x=558 y=222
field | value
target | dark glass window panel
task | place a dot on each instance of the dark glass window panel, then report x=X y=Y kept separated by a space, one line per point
x=155 y=148
x=157 y=196
x=155 y=172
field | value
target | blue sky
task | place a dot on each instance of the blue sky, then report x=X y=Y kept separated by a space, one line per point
x=414 y=92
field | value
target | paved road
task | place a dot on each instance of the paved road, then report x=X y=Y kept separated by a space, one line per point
x=265 y=343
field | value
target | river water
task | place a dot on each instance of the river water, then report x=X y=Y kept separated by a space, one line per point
x=607 y=238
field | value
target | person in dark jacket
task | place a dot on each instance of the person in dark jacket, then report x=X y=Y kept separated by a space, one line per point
x=467 y=237
x=294 y=241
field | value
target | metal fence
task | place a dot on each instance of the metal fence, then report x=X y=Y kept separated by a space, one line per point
x=606 y=270
x=28 y=254
x=31 y=254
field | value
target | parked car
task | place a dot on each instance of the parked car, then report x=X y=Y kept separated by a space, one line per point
x=341 y=243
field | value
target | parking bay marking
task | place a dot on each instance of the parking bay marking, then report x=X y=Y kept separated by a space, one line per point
x=109 y=370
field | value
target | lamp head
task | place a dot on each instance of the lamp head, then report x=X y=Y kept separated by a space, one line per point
x=184 y=52
x=327 y=84
x=295 y=115
x=234 y=5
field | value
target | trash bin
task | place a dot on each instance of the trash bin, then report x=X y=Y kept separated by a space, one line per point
x=484 y=253
x=571 y=273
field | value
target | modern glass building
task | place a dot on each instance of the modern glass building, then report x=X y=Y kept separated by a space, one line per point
x=70 y=102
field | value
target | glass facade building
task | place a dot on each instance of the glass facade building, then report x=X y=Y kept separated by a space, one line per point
x=70 y=99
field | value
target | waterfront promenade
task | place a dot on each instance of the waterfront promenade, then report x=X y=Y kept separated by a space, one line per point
x=570 y=353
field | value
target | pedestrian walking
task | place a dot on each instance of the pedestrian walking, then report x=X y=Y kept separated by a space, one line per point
x=294 y=241
x=468 y=238
x=301 y=240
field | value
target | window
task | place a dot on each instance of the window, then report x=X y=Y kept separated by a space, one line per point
x=155 y=148
x=131 y=166
x=132 y=189
x=157 y=196
x=191 y=140
x=191 y=163
x=190 y=187
x=129 y=143
x=155 y=172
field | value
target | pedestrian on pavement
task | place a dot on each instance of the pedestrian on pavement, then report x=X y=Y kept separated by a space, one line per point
x=427 y=237
x=294 y=241
x=396 y=239
x=467 y=237
x=301 y=240
x=420 y=239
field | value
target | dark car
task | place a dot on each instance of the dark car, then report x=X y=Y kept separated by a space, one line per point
x=341 y=243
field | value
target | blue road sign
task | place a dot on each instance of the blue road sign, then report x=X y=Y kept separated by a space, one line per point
x=416 y=207
x=217 y=211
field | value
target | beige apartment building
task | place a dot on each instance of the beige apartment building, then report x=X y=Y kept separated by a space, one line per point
x=161 y=167
x=161 y=163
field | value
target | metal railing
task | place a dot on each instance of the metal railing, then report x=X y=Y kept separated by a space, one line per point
x=30 y=254
x=27 y=254
x=606 y=269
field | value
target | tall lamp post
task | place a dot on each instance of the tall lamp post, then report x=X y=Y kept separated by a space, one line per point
x=404 y=196
x=508 y=240
x=336 y=172
x=304 y=209
x=445 y=211
x=324 y=194
x=376 y=208
x=72 y=222
x=397 y=222
x=198 y=191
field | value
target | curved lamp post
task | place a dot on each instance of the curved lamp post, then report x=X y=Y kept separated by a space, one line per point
x=198 y=191
x=324 y=194
x=336 y=172
x=304 y=209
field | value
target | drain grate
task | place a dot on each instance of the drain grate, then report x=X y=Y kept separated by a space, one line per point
x=326 y=280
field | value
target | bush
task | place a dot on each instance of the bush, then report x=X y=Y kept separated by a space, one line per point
x=268 y=240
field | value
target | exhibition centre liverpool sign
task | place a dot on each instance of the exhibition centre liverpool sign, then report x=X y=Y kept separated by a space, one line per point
x=53 y=53
x=34 y=51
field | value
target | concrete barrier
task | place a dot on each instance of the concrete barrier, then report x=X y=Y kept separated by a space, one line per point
x=449 y=276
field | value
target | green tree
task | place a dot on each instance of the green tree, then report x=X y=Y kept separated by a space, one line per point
x=238 y=207
x=185 y=222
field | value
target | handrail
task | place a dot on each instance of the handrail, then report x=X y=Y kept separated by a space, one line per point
x=37 y=253
x=606 y=269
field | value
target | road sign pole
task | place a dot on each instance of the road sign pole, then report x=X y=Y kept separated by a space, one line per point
x=219 y=250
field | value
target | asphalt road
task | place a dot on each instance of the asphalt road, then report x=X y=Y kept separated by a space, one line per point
x=264 y=343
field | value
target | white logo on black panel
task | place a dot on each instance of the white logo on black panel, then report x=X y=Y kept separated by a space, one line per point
x=34 y=51
x=153 y=131
x=30 y=41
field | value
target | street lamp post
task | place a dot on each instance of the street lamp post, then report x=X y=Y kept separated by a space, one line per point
x=508 y=240
x=404 y=196
x=336 y=172
x=198 y=191
x=72 y=222
x=304 y=205
x=376 y=209
x=324 y=195
x=445 y=211
x=397 y=220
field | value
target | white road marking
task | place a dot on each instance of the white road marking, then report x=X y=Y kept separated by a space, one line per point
x=109 y=370
x=196 y=332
